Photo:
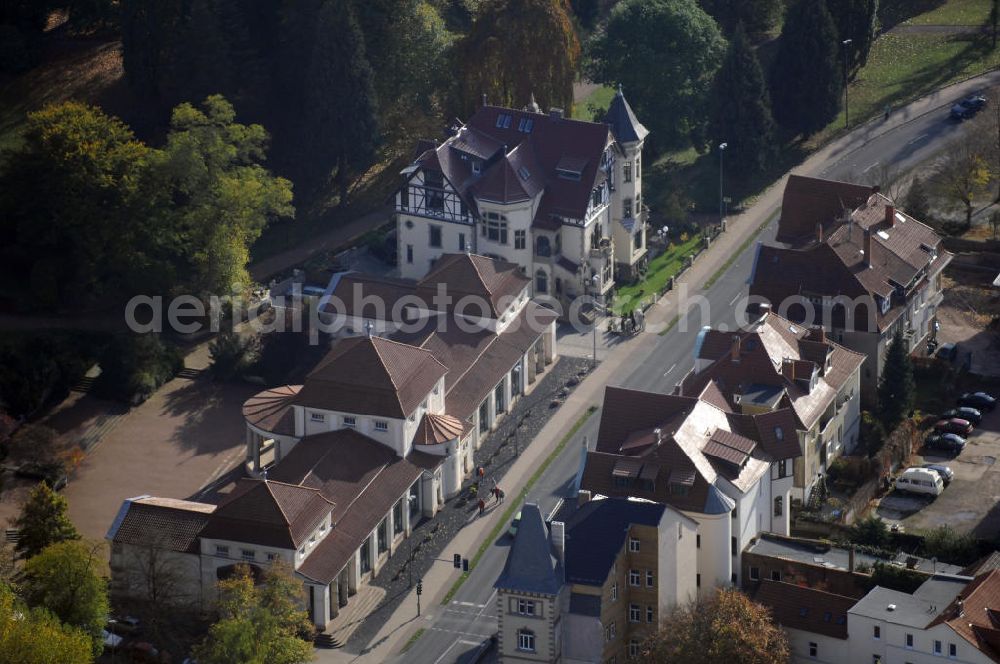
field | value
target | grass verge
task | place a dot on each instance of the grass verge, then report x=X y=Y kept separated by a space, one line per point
x=736 y=254
x=661 y=269
x=413 y=639
x=515 y=504
x=955 y=12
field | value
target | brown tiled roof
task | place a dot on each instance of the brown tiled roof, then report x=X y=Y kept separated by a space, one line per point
x=626 y=411
x=161 y=522
x=806 y=609
x=267 y=512
x=977 y=618
x=764 y=428
x=363 y=477
x=762 y=350
x=497 y=282
x=437 y=429
x=539 y=151
x=367 y=296
x=371 y=376
x=809 y=201
x=271 y=410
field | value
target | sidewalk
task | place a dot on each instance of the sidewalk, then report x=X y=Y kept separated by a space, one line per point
x=621 y=360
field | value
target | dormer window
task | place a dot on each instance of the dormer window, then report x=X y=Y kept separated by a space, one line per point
x=524 y=173
x=350 y=421
x=381 y=425
x=779 y=433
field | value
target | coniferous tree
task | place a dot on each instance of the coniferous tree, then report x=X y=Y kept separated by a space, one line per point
x=896 y=389
x=855 y=20
x=43 y=521
x=341 y=122
x=740 y=112
x=755 y=15
x=807 y=77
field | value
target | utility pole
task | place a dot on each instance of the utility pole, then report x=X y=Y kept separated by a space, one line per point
x=722 y=202
x=847 y=114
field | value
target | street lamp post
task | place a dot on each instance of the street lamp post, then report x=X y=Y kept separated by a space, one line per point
x=596 y=280
x=722 y=209
x=847 y=115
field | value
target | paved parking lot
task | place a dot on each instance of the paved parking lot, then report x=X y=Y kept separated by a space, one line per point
x=971 y=503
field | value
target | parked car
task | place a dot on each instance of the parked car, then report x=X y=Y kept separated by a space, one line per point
x=968 y=107
x=954 y=425
x=973 y=416
x=948 y=352
x=978 y=400
x=950 y=442
x=920 y=480
x=512 y=531
x=946 y=473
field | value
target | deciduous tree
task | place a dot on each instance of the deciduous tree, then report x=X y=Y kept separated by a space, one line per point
x=916 y=203
x=43 y=521
x=962 y=173
x=64 y=579
x=728 y=627
x=35 y=636
x=807 y=77
x=665 y=54
x=258 y=624
x=741 y=108
x=897 y=388
x=755 y=16
x=517 y=48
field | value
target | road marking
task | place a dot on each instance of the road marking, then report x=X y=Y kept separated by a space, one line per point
x=918 y=138
x=672 y=367
x=489 y=602
x=733 y=301
x=870 y=167
x=458 y=631
x=447 y=650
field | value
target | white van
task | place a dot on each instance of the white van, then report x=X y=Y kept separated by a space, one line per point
x=920 y=480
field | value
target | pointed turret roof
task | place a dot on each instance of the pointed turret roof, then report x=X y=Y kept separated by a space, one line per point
x=624 y=125
x=530 y=566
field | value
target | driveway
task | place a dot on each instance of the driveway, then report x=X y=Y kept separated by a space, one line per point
x=970 y=502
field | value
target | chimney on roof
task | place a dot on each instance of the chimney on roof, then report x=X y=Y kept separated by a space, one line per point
x=556 y=113
x=788 y=368
x=850 y=558
x=582 y=497
x=890 y=215
x=818 y=334
x=868 y=248
x=734 y=349
x=876 y=188
x=819 y=233
x=557 y=534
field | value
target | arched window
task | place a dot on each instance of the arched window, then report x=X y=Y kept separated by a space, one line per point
x=541 y=282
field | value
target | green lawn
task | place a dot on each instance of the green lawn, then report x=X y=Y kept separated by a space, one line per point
x=599 y=98
x=661 y=269
x=955 y=12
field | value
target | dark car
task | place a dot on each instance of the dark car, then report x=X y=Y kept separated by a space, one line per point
x=978 y=400
x=946 y=473
x=954 y=425
x=968 y=107
x=945 y=441
x=964 y=413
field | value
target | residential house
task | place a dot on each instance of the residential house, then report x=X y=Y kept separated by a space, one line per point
x=380 y=434
x=698 y=457
x=773 y=365
x=560 y=198
x=849 y=260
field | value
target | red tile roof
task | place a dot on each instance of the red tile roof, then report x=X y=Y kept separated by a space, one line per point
x=371 y=376
x=162 y=522
x=271 y=410
x=975 y=614
x=269 y=513
x=497 y=282
x=809 y=201
x=437 y=429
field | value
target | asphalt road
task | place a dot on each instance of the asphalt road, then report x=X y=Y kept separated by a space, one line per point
x=460 y=631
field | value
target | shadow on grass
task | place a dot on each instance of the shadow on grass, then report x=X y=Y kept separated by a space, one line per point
x=893 y=12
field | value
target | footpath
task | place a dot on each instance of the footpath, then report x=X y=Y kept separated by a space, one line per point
x=624 y=358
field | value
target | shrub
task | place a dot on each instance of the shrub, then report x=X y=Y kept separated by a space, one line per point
x=870 y=531
x=41 y=369
x=134 y=366
x=945 y=544
x=280 y=352
x=848 y=470
x=231 y=355
x=896 y=578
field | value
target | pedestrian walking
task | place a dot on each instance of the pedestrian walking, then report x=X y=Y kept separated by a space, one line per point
x=482 y=506
x=481 y=472
x=496 y=494
x=888 y=109
x=500 y=495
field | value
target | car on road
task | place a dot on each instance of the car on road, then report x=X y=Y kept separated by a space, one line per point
x=968 y=107
x=954 y=425
x=945 y=441
x=512 y=531
x=946 y=473
x=973 y=416
x=978 y=400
